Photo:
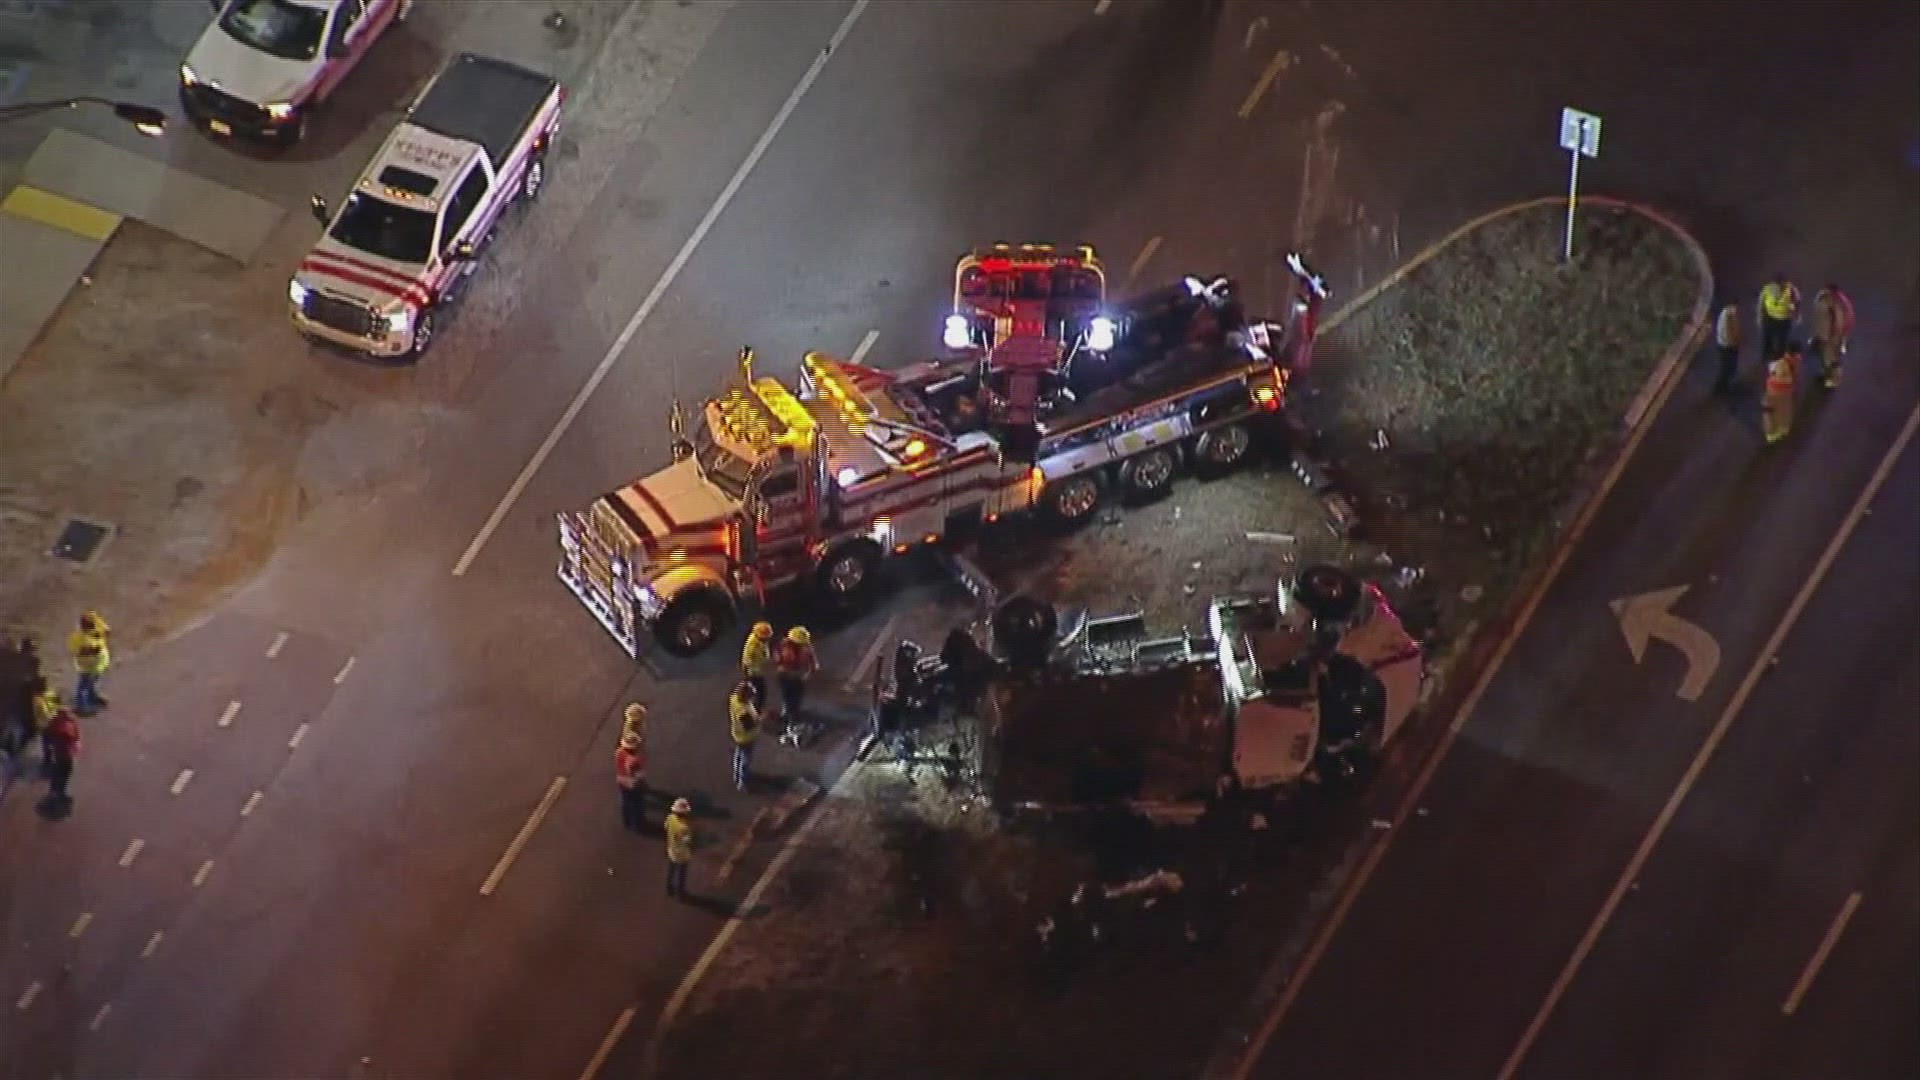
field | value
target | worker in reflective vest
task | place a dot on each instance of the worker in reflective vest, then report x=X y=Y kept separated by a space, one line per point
x=1832 y=327
x=1776 y=404
x=679 y=847
x=743 y=724
x=88 y=645
x=796 y=664
x=756 y=657
x=1779 y=307
x=630 y=773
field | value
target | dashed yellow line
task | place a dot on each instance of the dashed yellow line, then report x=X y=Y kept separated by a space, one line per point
x=63 y=213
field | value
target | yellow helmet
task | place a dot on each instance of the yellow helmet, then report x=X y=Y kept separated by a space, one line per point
x=682 y=806
x=799 y=636
x=630 y=741
x=763 y=630
x=636 y=713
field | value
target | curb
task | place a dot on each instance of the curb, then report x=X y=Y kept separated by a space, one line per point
x=1244 y=1042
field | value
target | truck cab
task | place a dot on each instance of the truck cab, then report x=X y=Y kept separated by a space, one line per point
x=262 y=66
x=405 y=239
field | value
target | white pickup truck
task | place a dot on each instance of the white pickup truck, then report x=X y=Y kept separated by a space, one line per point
x=405 y=240
x=262 y=66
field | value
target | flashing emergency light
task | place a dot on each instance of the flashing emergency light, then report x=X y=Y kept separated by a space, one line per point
x=957 y=334
x=914 y=449
x=846 y=477
x=1194 y=287
x=1101 y=333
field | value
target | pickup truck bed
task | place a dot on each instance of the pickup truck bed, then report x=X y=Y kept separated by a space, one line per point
x=481 y=100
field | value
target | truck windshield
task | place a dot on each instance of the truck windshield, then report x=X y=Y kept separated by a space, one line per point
x=720 y=466
x=276 y=27
x=389 y=230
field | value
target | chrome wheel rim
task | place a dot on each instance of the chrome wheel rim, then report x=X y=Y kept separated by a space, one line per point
x=1152 y=470
x=695 y=630
x=1077 y=498
x=846 y=574
x=1227 y=446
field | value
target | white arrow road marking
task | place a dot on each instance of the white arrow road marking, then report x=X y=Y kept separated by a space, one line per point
x=1650 y=615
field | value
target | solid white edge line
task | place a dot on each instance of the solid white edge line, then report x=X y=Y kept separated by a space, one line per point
x=1761 y=662
x=681 y=993
x=1272 y=71
x=1322 y=940
x=1140 y=261
x=526 y=833
x=660 y=287
x=866 y=343
x=607 y=1044
x=1819 y=958
x=859 y=673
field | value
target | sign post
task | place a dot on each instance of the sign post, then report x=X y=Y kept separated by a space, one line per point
x=1579 y=137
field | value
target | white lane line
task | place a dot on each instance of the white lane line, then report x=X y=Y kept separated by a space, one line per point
x=342 y=675
x=227 y=714
x=1819 y=958
x=1101 y=7
x=526 y=833
x=659 y=289
x=866 y=343
x=1761 y=662
x=100 y=1017
x=253 y=801
x=134 y=848
x=1274 y=67
x=80 y=924
x=299 y=733
x=180 y=782
x=200 y=875
x=699 y=970
x=607 y=1044
x=857 y=677
x=1296 y=981
x=1140 y=261
x=279 y=642
x=25 y=1001
x=153 y=945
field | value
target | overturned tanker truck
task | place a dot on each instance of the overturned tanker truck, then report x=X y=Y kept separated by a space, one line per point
x=1304 y=685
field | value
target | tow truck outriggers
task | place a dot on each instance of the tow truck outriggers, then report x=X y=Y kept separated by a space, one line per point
x=774 y=488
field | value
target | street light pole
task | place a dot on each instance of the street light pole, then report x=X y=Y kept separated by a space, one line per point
x=145 y=118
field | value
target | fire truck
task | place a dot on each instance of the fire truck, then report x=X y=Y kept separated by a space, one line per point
x=775 y=487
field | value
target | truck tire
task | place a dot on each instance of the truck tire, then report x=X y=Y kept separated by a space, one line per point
x=692 y=622
x=1023 y=631
x=846 y=575
x=1069 y=503
x=1147 y=476
x=1222 y=450
x=423 y=335
x=534 y=178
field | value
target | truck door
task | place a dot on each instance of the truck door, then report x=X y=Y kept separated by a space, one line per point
x=781 y=511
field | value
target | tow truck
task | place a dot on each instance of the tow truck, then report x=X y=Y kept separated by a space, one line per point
x=1303 y=685
x=776 y=487
x=405 y=241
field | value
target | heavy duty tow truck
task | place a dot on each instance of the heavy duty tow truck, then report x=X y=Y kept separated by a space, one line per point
x=775 y=487
x=1303 y=685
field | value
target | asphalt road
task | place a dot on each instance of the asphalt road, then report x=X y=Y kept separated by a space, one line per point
x=306 y=902
x=1454 y=944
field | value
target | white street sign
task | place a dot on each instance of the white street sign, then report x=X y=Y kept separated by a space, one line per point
x=1580 y=131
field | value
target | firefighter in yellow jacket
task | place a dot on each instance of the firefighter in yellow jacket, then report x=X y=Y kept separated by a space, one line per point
x=756 y=657
x=1779 y=308
x=679 y=847
x=91 y=657
x=1777 y=402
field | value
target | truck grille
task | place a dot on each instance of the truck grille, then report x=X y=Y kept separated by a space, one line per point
x=225 y=106
x=346 y=316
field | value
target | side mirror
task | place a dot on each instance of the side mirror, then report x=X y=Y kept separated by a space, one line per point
x=319 y=207
x=462 y=250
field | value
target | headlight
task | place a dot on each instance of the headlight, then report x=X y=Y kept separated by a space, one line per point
x=189 y=77
x=297 y=293
x=1101 y=333
x=958 y=335
x=278 y=111
x=399 y=321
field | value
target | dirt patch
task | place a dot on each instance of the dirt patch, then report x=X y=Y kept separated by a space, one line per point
x=160 y=401
x=902 y=940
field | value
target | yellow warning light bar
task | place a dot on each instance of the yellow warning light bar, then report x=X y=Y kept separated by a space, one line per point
x=763 y=416
x=827 y=374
